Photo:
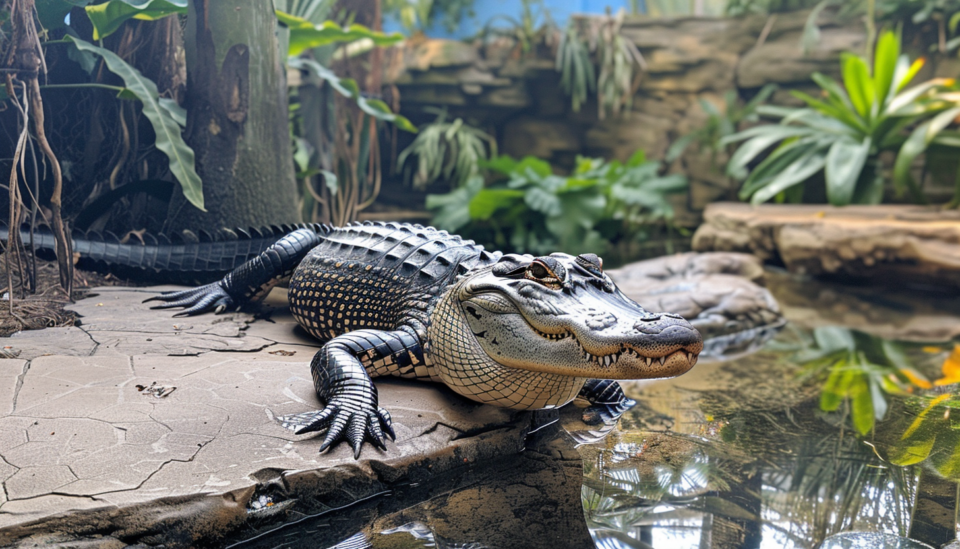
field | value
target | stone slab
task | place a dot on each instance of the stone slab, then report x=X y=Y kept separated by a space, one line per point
x=889 y=243
x=135 y=435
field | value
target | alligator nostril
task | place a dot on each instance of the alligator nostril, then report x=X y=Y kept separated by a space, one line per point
x=650 y=318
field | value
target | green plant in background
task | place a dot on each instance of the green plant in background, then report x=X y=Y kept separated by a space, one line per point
x=530 y=209
x=449 y=151
x=535 y=26
x=736 y=8
x=720 y=124
x=943 y=14
x=859 y=369
x=619 y=64
x=422 y=14
x=843 y=135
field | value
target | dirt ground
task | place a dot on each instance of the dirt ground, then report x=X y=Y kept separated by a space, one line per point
x=44 y=307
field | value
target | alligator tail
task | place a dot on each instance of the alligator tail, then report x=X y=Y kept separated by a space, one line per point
x=190 y=259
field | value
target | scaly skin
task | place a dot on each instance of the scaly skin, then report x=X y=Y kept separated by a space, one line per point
x=409 y=301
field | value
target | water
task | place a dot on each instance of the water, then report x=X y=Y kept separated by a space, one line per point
x=833 y=436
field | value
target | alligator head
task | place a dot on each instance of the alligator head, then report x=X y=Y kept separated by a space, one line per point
x=562 y=315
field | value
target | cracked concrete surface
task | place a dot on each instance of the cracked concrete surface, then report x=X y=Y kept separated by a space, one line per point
x=84 y=439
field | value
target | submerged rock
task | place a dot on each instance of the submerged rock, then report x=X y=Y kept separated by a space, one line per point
x=719 y=293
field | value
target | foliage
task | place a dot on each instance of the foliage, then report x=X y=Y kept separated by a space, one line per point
x=422 y=14
x=577 y=75
x=447 y=150
x=860 y=369
x=535 y=26
x=109 y=16
x=533 y=210
x=164 y=116
x=348 y=87
x=305 y=35
x=843 y=135
x=619 y=63
x=942 y=13
x=737 y=8
x=720 y=124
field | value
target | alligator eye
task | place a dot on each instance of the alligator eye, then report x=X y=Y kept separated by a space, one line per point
x=591 y=262
x=547 y=271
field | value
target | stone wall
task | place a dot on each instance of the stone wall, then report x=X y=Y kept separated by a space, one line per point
x=518 y=98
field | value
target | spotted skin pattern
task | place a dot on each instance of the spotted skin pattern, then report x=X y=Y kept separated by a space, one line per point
x=385 y=300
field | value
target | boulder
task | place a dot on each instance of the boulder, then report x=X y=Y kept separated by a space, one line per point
x=890 y=243
x=719 y=293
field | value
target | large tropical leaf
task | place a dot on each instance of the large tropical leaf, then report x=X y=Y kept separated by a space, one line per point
x=349 y=88
x=165 y=125
x=305 y=35
x=108 y=17
x=844 y=162
x=795 y=173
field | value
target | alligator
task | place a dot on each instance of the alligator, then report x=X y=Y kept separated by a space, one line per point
x=393 y=299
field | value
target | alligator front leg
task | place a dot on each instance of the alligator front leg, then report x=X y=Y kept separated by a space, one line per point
x=248 y=282
x=607 y=401
x=351 y=407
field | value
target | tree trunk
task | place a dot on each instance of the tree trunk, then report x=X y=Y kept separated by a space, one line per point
x=237 y=124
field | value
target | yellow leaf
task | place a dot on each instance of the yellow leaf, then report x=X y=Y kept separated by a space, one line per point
x=914 y=379
x=950 y=368
x=931 y=349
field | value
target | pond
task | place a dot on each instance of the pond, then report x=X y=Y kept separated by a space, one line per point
x=805 y=443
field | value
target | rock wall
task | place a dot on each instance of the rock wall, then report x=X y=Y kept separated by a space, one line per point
x=518 y=97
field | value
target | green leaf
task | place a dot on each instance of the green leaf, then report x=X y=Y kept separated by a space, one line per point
x=885 y=65
x=503 y=164
x=763 y=138
x=834 y=338
x=543 y=201
x=834 y=390
x=178 y=113
x=917 y=143
x=861 y=403
x=453 y=208
x=349 y=88
x=486 y=202
x=304 y=35
x=844 y=163
x=330 y=180
x=52 y=13
x=109 y=16
x=165 y=126
x=796 y=173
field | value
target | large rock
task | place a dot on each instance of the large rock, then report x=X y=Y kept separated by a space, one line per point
x=162 y=430
x=719 y=293
x=892 y=243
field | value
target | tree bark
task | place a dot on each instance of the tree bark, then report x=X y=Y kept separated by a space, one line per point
x=237 y=120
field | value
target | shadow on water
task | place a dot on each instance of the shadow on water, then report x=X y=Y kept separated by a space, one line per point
x=830 y=437
x=531 y=500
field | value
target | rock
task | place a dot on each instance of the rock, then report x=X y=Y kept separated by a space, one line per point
x=892 y=243
x=438 y=53
x=719 y=293
x=541 y=138
x=126 y=440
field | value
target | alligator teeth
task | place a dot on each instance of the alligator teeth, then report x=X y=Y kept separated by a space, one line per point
x=649 y=361
x=662 y=360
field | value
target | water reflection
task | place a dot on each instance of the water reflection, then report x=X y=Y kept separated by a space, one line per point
x=830 y=438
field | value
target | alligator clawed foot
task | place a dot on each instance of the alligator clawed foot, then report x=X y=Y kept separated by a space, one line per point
x=203 y=299
x=341 y=424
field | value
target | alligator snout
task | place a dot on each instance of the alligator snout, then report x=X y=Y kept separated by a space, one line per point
x=669 y=330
